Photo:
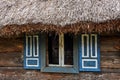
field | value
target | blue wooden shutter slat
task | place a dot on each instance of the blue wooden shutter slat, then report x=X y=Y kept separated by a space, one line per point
x=85 y=46
x=92 y=61
x=93 y=46
x=31 y=60
x=35 y=46
x=28 y=47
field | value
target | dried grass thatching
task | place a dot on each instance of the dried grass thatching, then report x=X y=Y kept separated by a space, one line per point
x=18 y=16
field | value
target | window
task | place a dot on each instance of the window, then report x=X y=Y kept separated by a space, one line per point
x=60 y=54
x=64 y=53
x=60 y=50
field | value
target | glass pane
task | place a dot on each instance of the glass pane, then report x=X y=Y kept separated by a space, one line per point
x=53 y=49
x=68 y=49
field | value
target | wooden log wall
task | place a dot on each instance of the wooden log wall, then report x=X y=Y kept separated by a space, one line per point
x=110 y=54
x=11 y=62
x=11 y=52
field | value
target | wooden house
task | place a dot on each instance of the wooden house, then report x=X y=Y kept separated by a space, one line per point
x=59 y=40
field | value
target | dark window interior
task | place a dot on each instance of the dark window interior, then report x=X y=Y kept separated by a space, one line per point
x=53 y=49
x=68 y=49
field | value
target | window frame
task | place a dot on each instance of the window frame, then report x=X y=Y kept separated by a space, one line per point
x=59 y=69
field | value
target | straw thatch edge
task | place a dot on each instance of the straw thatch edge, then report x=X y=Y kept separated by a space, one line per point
x=80 y=27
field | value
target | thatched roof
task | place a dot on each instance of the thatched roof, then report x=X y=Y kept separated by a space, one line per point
x=18 y=16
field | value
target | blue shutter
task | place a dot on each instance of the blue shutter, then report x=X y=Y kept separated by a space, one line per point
x=31 y=52
x=89 y=53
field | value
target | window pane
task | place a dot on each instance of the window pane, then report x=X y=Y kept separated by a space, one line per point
x=68 y=49
x=53 y=49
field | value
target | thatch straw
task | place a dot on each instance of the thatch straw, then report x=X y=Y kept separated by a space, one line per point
x=61 y=15
x=112 y=26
